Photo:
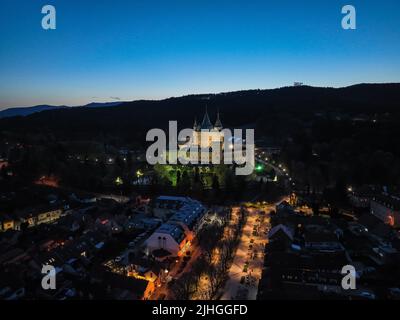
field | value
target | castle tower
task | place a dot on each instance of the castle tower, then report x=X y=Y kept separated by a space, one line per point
x=206 y=133
x=218 y=123
x=206 y=123
x=196 y=126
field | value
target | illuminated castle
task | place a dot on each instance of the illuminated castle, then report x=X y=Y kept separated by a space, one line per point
x=208 y=144
x=205 y=138
x=205 y=134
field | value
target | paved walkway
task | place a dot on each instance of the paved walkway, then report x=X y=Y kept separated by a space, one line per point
x=247 y=290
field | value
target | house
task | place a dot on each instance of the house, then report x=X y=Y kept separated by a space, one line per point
x=6 y=223
x=109 y=224
x=85 y=247
x=322 y=242
x=165 y=206
x=281 y=236
x=84 y=198
x=145 y=269
x=190 y=218
x=288 y=272
x=284 y=206
x=71 y=223
x=170 y=237
x=39 y=215
x=185 y=218
x=386 y=208
x=361 y=197
x=145 y=223
x=120 y=287
x=383 y=254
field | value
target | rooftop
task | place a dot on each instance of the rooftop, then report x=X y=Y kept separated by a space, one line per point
x=389 y=201
x=174 y=230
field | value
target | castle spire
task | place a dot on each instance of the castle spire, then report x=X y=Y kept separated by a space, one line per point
x=195 y=125
x=206 y=123
x=218 y=123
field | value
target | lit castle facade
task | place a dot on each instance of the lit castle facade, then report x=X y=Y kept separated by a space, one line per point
x=205 y=134
x=211 y=144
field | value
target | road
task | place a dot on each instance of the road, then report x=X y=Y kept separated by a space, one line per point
x=279 y=171
x=243 y=282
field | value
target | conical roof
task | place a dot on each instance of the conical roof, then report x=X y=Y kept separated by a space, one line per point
x=195 y=125
x=218 y=123
x=206 y=123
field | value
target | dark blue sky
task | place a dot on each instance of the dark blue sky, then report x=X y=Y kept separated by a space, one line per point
x=128 y=49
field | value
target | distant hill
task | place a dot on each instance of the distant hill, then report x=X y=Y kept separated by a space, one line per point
x=26 y=111
x=103 y=104
x=270 y=110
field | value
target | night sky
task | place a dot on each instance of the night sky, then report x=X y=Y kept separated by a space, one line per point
x=126 y=49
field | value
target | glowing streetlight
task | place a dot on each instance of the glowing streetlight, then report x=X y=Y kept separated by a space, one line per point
x=139 y=173
x=118 y=181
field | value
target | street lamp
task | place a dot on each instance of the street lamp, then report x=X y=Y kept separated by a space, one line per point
x=118 y=181
x=139 y=173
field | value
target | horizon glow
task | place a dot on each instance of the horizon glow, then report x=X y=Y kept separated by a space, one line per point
x=126 y=50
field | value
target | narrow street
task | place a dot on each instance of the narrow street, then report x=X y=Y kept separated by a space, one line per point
x=246 y=270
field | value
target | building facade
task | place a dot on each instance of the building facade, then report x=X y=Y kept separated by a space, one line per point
x=184 y=218
x=387 y=209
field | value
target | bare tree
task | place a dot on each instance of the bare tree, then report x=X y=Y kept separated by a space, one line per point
x=184 y=287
